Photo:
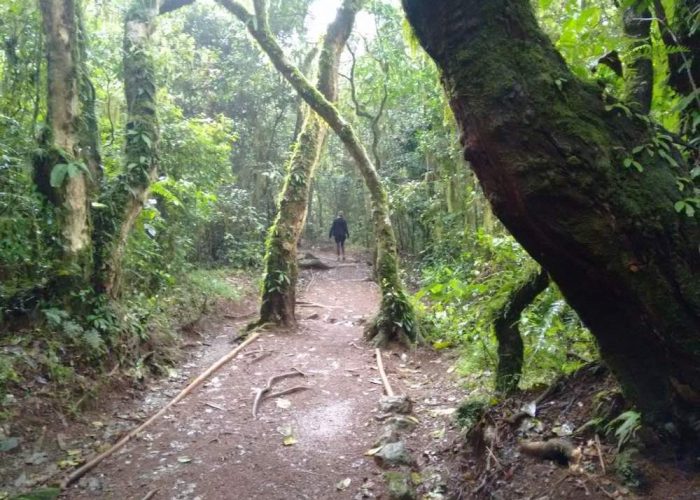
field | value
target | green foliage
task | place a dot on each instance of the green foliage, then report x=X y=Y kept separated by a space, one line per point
x=625 y=427
x=463 y=294
x=470 y=412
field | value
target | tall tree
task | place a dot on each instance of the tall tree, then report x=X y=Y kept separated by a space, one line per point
x=68 y=160
x=281 y=271
x=396 y=318
x=550 y=154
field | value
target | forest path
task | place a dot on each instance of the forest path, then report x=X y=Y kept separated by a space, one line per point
x=209 y=446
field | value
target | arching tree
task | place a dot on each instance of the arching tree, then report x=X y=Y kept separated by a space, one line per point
x=396 y=319
x=554 y=159
x=281 y=271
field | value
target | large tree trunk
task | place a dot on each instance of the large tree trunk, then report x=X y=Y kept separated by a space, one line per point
x=59 y=170
x=126 y=197
x=507 y=330
x=551 y=158
x=396 y=318
x=281 y=271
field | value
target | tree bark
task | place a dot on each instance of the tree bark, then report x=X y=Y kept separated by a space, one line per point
x=125 y=199
x=396 y=318
x=639 y=77
x=60 y=144
x=550 y=156
x=505 y=326
x=682 y=39
x=281 y=268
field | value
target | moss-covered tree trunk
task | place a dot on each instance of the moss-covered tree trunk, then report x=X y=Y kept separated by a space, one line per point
x=59 y=170
x=507 y=330
x=125 y=199
x=682 y=39
x=281 y=271
x=396 y=319
x=639 y=80
x=551 y=156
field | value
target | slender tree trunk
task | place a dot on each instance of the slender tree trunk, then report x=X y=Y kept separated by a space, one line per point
x=639 y=77
x=128 y=193
x=396 y=318
x=59 y=171
x=506 y=328
x=682 y=39
x=281 y=271
x=551 y=156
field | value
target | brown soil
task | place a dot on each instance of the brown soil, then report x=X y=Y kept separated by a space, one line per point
x=211 y=447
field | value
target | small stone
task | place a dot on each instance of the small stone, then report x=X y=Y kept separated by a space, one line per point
x=393 y=454
x=396 y=404
x=399 y=486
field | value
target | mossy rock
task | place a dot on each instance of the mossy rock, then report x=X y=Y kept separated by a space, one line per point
x=399 y=486
x=470 y=412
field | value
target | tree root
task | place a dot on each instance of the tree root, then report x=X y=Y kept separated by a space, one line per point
x=261 y=392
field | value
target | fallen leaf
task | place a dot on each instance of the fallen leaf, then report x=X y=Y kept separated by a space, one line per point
x=184 y=460
x=8 y=444
x=343 y=485
x=289 y=440
x=97 y=424
x=283 y=403
x=438 y=434
x=373 y=451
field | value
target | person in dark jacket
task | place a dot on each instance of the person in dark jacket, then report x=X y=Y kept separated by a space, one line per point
x=339 y=231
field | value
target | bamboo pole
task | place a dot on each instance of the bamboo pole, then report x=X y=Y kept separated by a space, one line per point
x=87 y=467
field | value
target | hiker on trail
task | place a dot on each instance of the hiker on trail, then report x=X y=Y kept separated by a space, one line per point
x=339 y=230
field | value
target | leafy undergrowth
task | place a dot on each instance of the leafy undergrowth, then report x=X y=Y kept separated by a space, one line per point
x=599 y=448
x=60 y=362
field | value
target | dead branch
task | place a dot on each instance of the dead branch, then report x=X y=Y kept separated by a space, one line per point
x=87 y=467
x=600 y=453
x=261 y=392
x=297 y=388
x=382 y=373
x=150 y=495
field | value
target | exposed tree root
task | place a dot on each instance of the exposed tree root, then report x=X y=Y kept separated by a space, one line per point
x=261 y=392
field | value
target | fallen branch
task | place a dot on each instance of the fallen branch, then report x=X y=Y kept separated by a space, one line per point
x=150 y=495
x=382 y=373
x=291 y=390
x=87 y=467
x=600 y=453
x=261 y=392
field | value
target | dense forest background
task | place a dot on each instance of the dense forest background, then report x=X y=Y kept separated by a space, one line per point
x=227 y=122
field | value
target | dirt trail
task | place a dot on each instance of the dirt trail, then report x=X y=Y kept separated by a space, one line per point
x=211 y=447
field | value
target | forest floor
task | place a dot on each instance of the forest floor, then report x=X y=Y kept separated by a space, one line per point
x=313 y=443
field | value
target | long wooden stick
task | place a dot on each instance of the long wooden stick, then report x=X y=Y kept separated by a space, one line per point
x=87 y=467
x=382 y=373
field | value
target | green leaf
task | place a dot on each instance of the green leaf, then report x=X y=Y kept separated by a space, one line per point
x=58 y=174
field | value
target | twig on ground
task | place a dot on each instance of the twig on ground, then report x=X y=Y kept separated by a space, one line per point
x=87 y=467
x=291 y=390
x=150 y=495
x=600 y=454
x=215 y=406
x=261 y=392
x=382 y=373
